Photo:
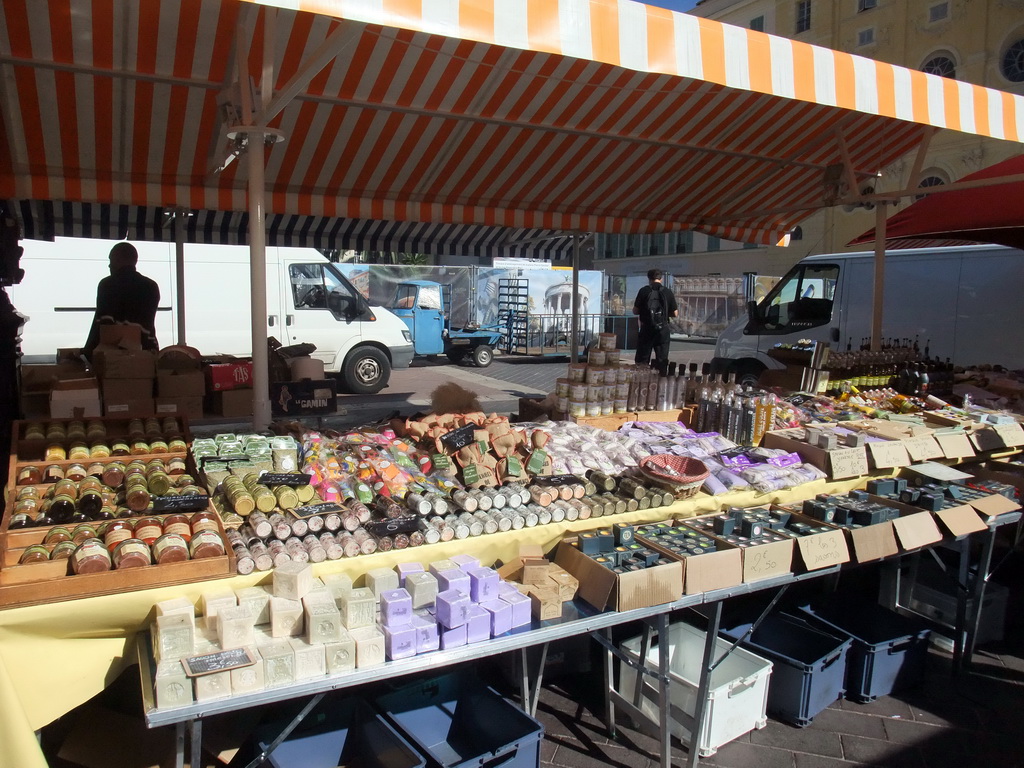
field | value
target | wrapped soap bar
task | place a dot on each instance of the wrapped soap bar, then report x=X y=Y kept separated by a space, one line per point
x=453 y=637
x=501 y=616
x=452 y=608
x=427 y=636
x=380 y=580
x=483 y=584
x=422 y=588
x=454 y=578
x=395 y=608
x=400 y=641
x=520 y=605
x=478 y=624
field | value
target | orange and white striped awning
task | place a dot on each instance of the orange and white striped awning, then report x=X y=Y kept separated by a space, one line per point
x=573 y=115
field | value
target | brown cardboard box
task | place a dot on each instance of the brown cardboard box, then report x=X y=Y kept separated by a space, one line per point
x=821 y=550
x=140 y=407
x=192 y=407
x=123 y=335
x=75 y=398
x=116 y=363
x=917 y=530
x=840 y=463
x=602 y=588
x=228 y=375
x=872 y=542
x=707 y=572
x=180 y=383
x=120 y=390
x=233 y=403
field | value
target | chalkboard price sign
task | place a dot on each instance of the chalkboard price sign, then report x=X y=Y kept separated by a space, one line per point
x=323 y=508
x=293 y=479
x=221 y=661
x=195 y=503
x=458 y=438
x=556 y=480
x=392 y=526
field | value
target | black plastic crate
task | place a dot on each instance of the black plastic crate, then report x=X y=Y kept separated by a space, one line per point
x=889 y=650
x=810 y=665
x=346 y=732
x=456 y=721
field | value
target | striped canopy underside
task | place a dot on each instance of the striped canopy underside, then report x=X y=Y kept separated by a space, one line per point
x=553 y=115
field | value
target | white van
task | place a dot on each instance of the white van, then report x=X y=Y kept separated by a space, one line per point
x=963 y=303
x=308 y=300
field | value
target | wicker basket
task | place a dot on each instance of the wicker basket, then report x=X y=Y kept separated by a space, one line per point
x=680 y=474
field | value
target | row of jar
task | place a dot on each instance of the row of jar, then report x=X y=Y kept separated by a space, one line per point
x=93 y=430
x=113 y=473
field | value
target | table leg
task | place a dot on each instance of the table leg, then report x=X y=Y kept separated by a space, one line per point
x=960 y=625
x=664 y=700
x=179 y=745
x=539 y=681
x=978 y=596
x=700 y=708
x=609 y=683
x=195 y=751
x=524 y=679
x=284 y=734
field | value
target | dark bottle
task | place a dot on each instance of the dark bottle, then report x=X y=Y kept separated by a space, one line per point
x=20 y=520
x=90 y=503
x=924 y=381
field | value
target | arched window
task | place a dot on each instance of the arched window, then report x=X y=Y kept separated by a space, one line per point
x=941 y=65
x=930 y=181
x=796 y=234
x=1012 y=64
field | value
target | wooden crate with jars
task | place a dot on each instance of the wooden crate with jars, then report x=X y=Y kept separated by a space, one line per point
x=96 y=506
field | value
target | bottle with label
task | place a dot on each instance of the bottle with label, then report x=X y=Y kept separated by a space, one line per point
x=662 y=391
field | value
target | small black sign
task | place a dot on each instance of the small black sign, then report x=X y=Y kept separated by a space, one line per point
x=194 y=503
x=392 y=526
x=221 y=661
x=293 y=479
x=204 y=460
x=556 y=480
x=322 y=508
x=459 y=438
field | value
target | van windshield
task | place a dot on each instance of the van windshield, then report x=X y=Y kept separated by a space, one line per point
x=802 y=299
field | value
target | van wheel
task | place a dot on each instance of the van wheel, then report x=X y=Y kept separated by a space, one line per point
x=456 y=355
x=366 y=371
x=748 y=373
x=483 y=356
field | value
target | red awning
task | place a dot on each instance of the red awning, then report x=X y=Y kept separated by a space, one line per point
x=982 y=214
x=572 y=115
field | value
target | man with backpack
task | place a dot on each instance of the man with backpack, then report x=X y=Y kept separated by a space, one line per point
x=655 y=305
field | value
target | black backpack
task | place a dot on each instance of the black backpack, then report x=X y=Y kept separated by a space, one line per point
x=656 y=308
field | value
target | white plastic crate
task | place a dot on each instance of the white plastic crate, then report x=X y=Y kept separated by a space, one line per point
x=737 y=697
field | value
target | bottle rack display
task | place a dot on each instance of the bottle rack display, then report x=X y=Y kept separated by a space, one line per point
x=97 y=506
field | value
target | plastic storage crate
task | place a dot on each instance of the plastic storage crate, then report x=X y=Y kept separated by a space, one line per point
x=737 y=696
x=940 y=606
x=810 y=665
x=888 y=652
x=341 y=733
x=456 y=721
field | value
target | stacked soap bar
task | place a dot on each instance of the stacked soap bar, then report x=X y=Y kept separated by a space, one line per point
x=853 y=510
x=936 y=495
x=743 y=527
x=617 y=549
x=680 y=540
x=543 y=584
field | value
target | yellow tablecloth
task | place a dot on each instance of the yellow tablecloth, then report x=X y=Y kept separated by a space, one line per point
x=55 y=657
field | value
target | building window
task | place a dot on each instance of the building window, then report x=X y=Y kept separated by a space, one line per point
x=1012 y=64
x=866 y=5
x=803 y=16
x=796 y=234
x=757 y=23
x=866 y=37
x=930 y=181
x=938 y=12
x=940 y=65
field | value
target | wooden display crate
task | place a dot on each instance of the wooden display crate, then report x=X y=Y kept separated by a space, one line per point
x=52 y=581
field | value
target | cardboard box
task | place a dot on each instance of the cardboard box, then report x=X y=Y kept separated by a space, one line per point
x=123 y=335
x=221 y=377
x=178 y=359
x=180 y=383
x=192 y=407
x=704 y=573
x=75 y=398
x=308 y=397
x=115 y=363
x=233 y=403
x=821 y=550
x=837 y=464
x=120 y=390
x=872 y=542
x=602 y=588
x=140 y=407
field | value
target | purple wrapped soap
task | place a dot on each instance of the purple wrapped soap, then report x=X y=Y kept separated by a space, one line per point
x=501 y=616
x=400 y=642
x=478 y=624
x=452 y=638
x=395 y=608
x=466 y=562
x=454 y=578
x=452 y=608
x=404 y=569
x=483 y=585
x=427 y=637
x=520 y=605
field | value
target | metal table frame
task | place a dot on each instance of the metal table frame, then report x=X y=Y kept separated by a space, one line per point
x=582 y=620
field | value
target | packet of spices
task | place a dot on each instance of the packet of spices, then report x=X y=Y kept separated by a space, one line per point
x=537 y=462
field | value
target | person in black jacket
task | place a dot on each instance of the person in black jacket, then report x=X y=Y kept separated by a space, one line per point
x=125 y=297
x=656 y=306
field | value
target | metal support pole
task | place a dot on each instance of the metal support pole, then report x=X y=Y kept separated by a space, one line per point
x=179 y=273
x=577 y=240
x=258 y=283
x=981 y=575
x=700 y=707
x=878 y=296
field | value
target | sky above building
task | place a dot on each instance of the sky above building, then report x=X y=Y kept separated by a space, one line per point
x=673 y=5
